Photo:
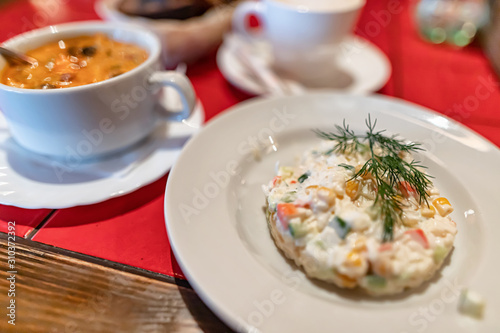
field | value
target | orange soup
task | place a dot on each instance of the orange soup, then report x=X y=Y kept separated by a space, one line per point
x=74 y=62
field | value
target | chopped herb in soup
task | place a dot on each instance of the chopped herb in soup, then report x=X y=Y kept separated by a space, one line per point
x=74 y=62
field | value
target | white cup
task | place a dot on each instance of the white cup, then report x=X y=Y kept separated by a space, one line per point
x=303 y=34
x=96 y=119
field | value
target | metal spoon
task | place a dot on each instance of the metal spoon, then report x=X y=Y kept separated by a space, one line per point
x=14 y=58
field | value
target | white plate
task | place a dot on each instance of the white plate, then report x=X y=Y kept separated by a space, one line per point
x=29 y=180
x=219 y=233
x=365 y=67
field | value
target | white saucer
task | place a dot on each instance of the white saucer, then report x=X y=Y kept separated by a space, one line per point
x=364 y=66
x=29 y=180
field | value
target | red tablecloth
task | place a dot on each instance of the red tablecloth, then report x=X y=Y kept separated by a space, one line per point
x=456 y=82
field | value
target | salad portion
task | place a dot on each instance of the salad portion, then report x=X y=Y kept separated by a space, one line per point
x=359 y=211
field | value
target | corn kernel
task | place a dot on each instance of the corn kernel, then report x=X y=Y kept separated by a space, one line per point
x=442 y=201
x=346 y=281
x=410 y=219
x=428 y=212
x=360 y=244
x=443 y=206
x=351 y=189
x=381 y=269
x=353 y=259
x=399 y=198
x=366 y=175
x=402 y=154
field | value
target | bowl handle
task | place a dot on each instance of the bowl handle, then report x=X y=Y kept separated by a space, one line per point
x=184 y=89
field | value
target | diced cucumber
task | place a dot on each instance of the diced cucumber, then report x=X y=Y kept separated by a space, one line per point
x=289 y=196
x=439 y=254
x=471 y=304
x=297 y=228
x=285 y=172
x=340 y=226
x=320 y=244
x=376 y=281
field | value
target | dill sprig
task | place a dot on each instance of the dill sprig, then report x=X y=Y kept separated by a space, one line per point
x=346 y=140
x=386 y=166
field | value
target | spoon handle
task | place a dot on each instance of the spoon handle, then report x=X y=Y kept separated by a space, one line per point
x=14 y=58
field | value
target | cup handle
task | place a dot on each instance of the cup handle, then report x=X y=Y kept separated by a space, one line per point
x=241 y=14
x=183 y=87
